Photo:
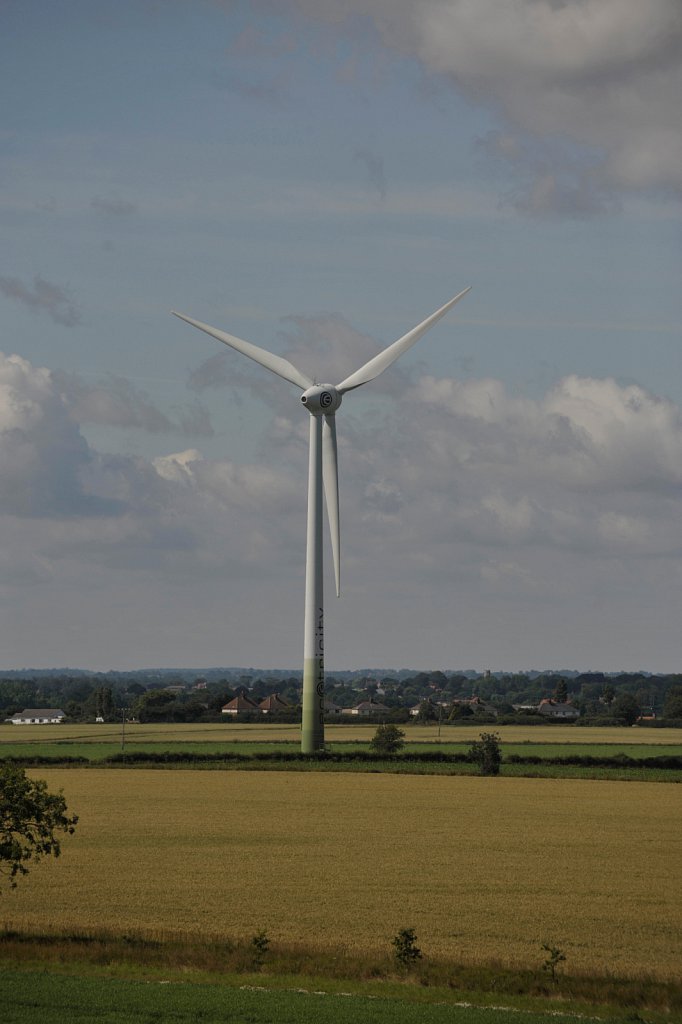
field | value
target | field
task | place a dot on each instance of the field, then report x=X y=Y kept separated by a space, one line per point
x=483 y=869
x=61 y=1000
x=98 y=741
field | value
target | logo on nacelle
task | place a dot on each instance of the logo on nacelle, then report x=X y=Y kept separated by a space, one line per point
x=321 y=398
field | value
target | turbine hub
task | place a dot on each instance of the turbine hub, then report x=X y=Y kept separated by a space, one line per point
x=321 y=399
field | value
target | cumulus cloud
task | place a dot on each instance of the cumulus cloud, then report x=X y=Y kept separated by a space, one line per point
x=43 y=297
x=117 y=402
x=42 y=453
x=460 y=492
x=603 y=75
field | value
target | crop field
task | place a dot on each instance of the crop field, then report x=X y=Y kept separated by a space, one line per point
x=98 y=741
x=31 y=997
x=483 y=869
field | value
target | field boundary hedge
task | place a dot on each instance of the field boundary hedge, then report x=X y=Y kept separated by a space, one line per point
x=140 y=758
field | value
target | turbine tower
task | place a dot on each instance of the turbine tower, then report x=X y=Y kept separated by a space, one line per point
x=322 y=402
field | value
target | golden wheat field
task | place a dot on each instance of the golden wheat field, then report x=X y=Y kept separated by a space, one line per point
x=481 y=868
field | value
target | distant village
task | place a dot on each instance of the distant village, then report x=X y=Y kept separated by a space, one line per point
x=230 y=695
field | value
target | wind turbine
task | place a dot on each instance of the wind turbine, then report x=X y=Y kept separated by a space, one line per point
x=322 y=402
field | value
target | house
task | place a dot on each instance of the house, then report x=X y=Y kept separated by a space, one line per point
x=330 y=708
x=240 y=705
x=271 y=704
x=557 y=709
x=38 y=716
x=366 y=707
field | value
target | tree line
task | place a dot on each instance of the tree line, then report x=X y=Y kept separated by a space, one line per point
x=437 y=696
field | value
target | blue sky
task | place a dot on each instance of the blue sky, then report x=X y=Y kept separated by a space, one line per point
x=317 y=178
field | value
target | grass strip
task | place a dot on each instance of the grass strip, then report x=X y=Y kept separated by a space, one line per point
x=64 y=1000
x=224 y=962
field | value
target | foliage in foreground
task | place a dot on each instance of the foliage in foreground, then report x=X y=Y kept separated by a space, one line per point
x=30 y=817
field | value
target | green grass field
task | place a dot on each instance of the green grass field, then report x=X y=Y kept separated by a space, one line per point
x=31 y=997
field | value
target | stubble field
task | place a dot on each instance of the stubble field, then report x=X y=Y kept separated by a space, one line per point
x=483 y=869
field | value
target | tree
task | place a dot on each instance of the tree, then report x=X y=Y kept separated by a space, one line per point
x=30 y=817
x=672 y=707
x=625 y=709
x=407 y=952
x=486 y=753
x=561 y=691
x=608 y=694
x=388 y=739
x=427 y=712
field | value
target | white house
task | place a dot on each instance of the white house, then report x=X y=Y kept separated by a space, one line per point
x=38 y=716
x=366 y=707
x=557 y=709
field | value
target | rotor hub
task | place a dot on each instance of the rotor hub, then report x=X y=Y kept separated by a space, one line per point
x=321 y=399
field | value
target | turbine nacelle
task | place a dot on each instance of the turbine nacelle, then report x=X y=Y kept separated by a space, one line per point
x=321 y=399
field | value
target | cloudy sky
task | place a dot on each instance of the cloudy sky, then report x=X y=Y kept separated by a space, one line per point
x=317 y=176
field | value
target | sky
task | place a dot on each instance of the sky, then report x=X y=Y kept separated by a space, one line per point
x=317 y=176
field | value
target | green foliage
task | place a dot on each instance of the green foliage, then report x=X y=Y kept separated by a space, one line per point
x=625 y=709
x=486 y=753
x=556 y=957
x=672 y=708
x=388 y=739
x=29 y=818
x=260 y=945
x=407 y=952
x=427 y=712
x=560 y=691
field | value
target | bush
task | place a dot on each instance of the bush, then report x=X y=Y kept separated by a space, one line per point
x=486 y=753
x=388 y=739
x=407 y=952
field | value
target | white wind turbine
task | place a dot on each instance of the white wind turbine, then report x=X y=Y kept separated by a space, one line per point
x=322 y=402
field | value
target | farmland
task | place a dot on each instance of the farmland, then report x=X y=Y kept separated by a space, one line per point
x=484 y=869
x=98 y=741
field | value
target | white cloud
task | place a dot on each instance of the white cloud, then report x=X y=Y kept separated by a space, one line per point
x=117 y=402
x=604 y=75
x=465 y=494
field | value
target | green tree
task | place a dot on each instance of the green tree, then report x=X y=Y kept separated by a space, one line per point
x=486 y=753
x=407 y=952
x=388 y=739
x=672 y=708
x=427 y=712
x=608 y=693
x=30 y=817
x=625 y=709
x=561 y=691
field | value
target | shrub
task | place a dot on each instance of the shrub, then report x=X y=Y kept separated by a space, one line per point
x=388 y=739
x=407 y=952
x=556 y=957
x=260 y=945
x=486 y=753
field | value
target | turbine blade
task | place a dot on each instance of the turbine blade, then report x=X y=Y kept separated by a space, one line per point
x=282 y=367
x=330 y=478
x=389 y=355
